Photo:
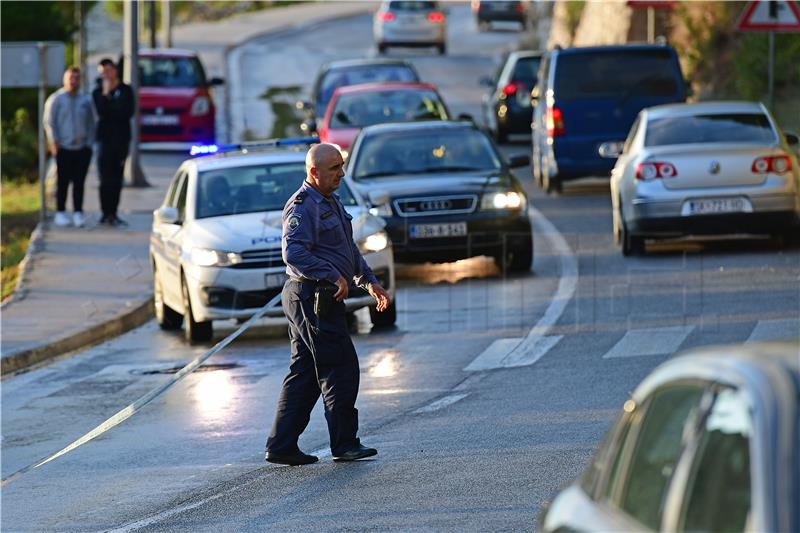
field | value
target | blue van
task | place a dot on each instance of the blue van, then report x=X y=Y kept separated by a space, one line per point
x=588 y=96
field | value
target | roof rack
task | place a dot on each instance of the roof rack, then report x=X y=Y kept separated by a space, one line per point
x=213 y=149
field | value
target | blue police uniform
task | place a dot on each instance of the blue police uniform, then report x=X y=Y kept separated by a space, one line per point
x=317 y=248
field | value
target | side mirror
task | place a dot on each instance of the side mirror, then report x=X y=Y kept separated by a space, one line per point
x=303 y=105
x=378 y=198
x=308 y=126
x=216 y=81
x=689 y=91
x=166 y=215
x=486 y=82
x=792 y=138
x=516 y=161
x=610 y=150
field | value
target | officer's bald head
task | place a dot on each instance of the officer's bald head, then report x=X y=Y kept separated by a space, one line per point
x=324 y=167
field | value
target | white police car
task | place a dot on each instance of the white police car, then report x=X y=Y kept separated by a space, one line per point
x=215 y=245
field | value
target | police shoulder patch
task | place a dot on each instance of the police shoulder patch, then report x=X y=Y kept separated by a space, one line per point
x=293 y=221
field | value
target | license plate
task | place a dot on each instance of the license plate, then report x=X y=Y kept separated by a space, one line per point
x=273 y=281
x=160 y=120
x=428 y=231
x=716 y=205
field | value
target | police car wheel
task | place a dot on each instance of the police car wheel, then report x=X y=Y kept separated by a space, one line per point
x=385 y=319
x=194 y=331
x=167 y=318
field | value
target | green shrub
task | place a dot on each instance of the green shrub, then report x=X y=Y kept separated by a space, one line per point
x=19 y=155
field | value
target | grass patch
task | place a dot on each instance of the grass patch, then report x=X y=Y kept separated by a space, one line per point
x=19 y=214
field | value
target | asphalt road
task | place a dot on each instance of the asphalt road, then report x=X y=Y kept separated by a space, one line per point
x=469 y=438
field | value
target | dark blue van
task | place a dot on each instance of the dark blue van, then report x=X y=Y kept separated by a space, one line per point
x=589 y=96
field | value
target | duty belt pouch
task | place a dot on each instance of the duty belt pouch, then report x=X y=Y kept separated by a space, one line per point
x=323 y=299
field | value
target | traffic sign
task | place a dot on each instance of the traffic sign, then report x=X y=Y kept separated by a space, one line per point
x=771 y=15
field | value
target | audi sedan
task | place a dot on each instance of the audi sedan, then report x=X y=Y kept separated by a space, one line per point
x=709 y=441
x=706 y=168
x=215 y=245
x=445 y=191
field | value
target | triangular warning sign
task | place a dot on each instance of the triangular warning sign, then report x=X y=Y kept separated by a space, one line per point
x=771 y=15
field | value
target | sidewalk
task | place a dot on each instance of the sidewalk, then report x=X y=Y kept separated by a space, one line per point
x=82 y=286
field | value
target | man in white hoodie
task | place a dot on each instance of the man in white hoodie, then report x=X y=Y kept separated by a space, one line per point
x=70 y=126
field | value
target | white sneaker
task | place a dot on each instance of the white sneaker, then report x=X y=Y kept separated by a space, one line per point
x=61 y=219
x=77 y=219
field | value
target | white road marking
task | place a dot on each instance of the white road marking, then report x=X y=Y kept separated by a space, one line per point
x=441 y=403
x=771 y=330
x=526 y=351
x=652 y=341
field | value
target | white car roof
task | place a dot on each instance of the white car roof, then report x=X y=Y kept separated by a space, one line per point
x=240 y=159
x=682 y=110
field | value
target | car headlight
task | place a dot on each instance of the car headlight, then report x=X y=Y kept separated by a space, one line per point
x=503 y=200
x=374 y=243
x=205 y=257
x=200 y=106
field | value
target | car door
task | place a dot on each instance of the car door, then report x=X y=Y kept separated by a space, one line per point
x=173 y=242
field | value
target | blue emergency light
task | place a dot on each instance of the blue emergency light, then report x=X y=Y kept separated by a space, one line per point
x=210 y=149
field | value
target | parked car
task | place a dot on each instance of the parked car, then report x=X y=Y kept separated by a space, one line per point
x=709 y=441
x=588 y=96
x=707 y=168
x=410 y=23
x=350 y=72
x=215 y=246
x=490 y=11
x=356 y=106
x=507 y=108
x=175 y=101
x=445 y=191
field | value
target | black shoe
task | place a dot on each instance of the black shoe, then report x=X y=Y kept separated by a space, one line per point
x=295 y=459
x=354 y=454
x=117 y=222
x=105 y=220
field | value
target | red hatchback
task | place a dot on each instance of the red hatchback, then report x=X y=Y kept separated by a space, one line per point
x=356 y=106
x=175 y=103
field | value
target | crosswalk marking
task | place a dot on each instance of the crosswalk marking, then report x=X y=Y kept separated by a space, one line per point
x=770 y=330
x=513 y=352
x=441 y=403
x=652 y=341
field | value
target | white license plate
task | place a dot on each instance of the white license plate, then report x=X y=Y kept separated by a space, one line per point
x=711 y=206
x=160 y=120
x=273 y=281
x=428 y=231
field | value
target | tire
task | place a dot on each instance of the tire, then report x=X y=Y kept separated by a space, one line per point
x=536 y=163
x=551 y=184
x=517 y=260
x=631 y=244
x=442 y=49
x=168 y=319
x=386 y=319
x=501 y=135
x=382 y=48
x=194 y=332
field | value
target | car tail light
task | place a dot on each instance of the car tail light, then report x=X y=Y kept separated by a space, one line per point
x=554 y=120
x=510 y=89
x=519 y=8
x=655 y=170
x=777 y=163
x=436 y=17
x=386 y=16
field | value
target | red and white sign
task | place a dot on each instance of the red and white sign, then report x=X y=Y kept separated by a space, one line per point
x=771 y=15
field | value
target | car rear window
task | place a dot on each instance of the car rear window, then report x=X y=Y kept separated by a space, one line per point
x=711 y=128
x=424 y=151
x=616 y=74
x=365 y=109
x=411 y=5
x=251 y=189
x=525 y=71
x=171 y=72
x=341 y=77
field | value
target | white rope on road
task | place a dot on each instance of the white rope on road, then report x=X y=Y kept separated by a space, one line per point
x=137 y=405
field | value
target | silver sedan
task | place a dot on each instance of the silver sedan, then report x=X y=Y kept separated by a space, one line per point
x=706 y=168
x=410 y=23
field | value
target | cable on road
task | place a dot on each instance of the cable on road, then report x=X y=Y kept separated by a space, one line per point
x=134 y=407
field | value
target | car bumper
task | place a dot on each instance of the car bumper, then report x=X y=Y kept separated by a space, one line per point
x=225 y=293
x=514 y=118
x=501 y=16
x=423 y=36
x=487 y=234
x=189 y=129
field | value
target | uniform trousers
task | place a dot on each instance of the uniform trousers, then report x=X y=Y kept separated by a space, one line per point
x=71 y=167
x=111 y=164
x=323 y=361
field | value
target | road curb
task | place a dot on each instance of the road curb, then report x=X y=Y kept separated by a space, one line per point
x=140 y=314
x=35 y=243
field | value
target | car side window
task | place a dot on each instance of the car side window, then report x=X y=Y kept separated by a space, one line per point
x=179 y=200
x=642 y=472
x=173 y=187
x=626 y=148
x=717 y=495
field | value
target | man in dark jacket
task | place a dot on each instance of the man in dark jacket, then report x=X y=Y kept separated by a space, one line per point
x=114 y=103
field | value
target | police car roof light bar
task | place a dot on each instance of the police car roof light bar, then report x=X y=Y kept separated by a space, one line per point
x=210 y=149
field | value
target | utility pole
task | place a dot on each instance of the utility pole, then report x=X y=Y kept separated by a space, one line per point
x=151 y=22
x=79 y=52
x=133 y=170
x=166 y=22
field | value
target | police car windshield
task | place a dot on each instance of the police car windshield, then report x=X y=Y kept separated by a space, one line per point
x=420 y=151
x=252 y=189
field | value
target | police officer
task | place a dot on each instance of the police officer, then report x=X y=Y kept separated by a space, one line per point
x=321 y=260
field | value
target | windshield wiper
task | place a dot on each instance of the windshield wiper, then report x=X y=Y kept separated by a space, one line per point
x=378 y=174
x=453 y=168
